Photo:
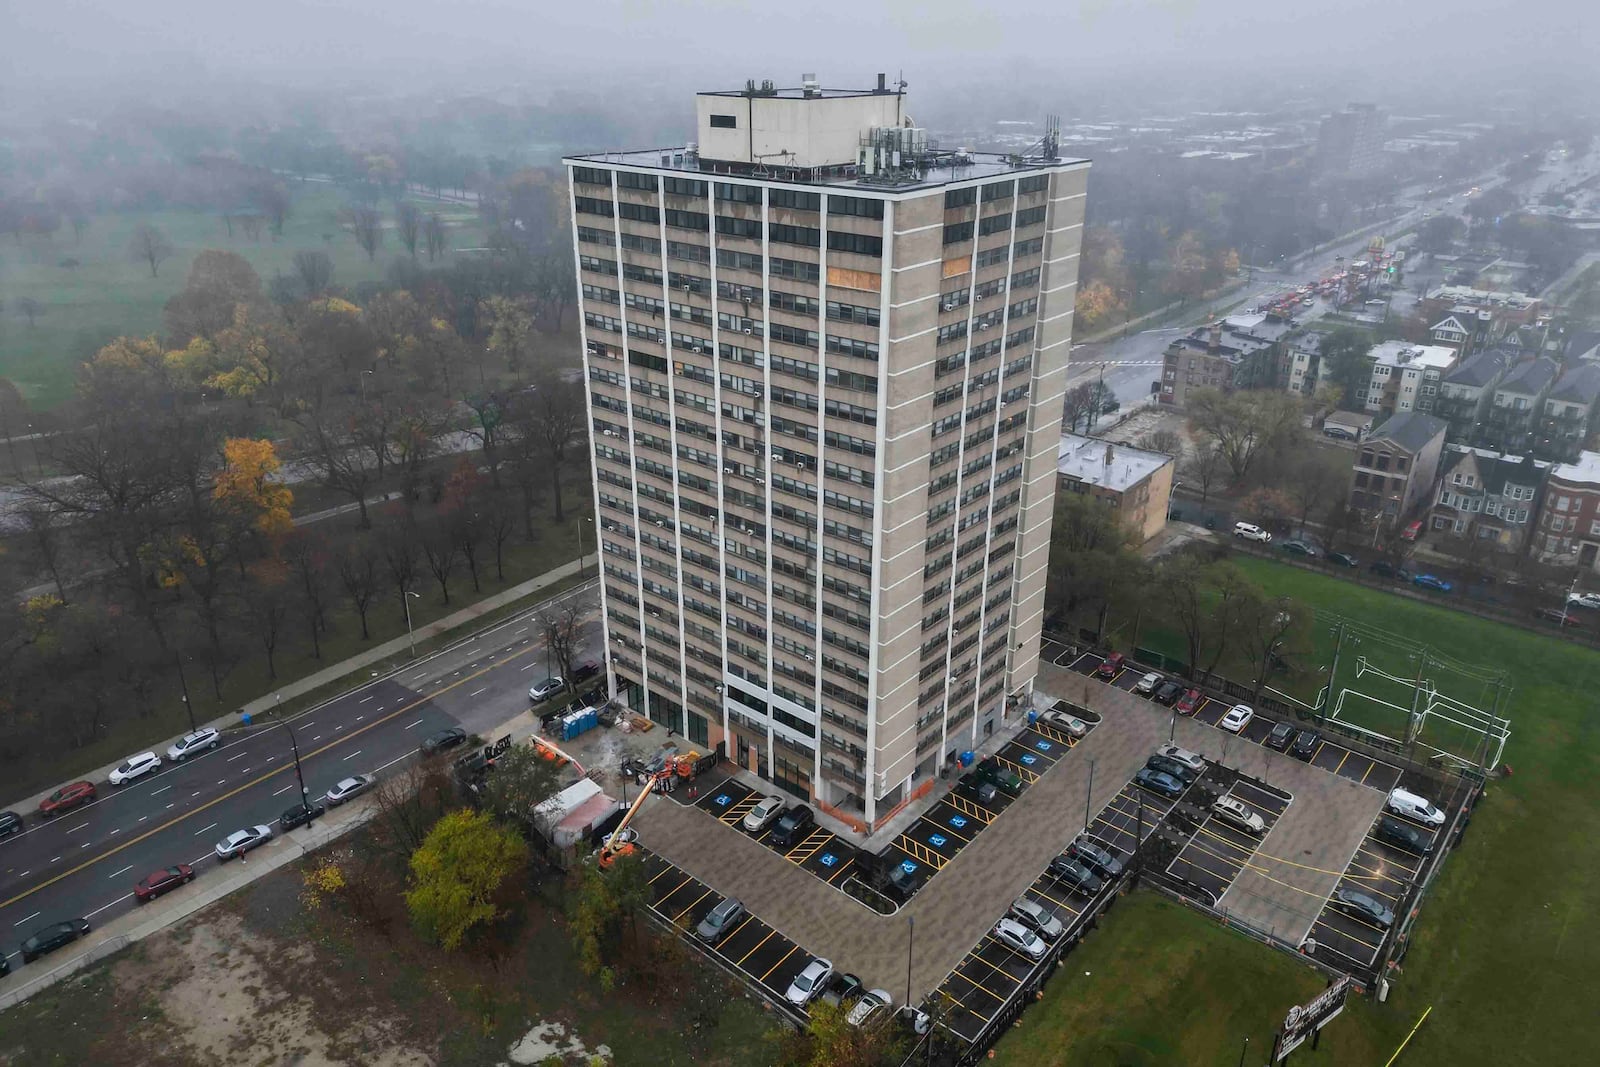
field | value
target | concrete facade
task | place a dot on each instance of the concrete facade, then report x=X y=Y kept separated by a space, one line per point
x=826 y=407
x=1133 y=482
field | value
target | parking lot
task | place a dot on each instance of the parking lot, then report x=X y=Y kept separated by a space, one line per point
x=1382 y=871
x=819 y=852
x=1328 y=755
x=1219 y=851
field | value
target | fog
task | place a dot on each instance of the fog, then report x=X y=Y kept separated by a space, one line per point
x=159 y=49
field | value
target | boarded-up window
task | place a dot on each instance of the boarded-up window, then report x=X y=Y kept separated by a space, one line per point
x=855 y=279
x=960 y=265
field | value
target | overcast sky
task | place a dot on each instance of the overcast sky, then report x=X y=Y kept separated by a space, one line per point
x=482 y=43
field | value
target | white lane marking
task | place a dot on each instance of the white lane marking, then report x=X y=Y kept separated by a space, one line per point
x=245 y=771
x=163 y=789
x=142 y=818
x=530 y=666
x=78 y=827
x=171 y=806
x=122 y=872
x=25 y=874
x=285 y=789
x=363 y=700
x=336 y=729
x=360 y=717
x=30 y=918
x=317 y=738
x=475 y=692
x=213 y=826
x=413 y=724
x=56 y=860
x=86 y=844
x=221 y=781
x=118 y=830
x=103 y=907
x=241 y=755
x=352 y=755
x=521 y=631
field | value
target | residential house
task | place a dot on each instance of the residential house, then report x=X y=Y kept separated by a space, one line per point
x=1568 y=533
x=1486 y=496
x=1302 y=363
x=1466 y=390
x=1569 y=413
x=1469 y=319
x=1135 y=483
x=1456 y=330
x=1514 y=415
x=1405 y=377
x=1238 y=352
x=1396 y=464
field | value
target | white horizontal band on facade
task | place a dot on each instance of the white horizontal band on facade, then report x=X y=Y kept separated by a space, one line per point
x=919 y=229
x=1054 y=344
x=918 y=266
x=1062 y=259
x=1069 y=196
x=918 y=300
x=1068 y=285
x=1065 y=314
x=913 y=336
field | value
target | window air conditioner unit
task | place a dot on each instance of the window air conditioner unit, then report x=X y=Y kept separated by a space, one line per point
x=748 y=332
x=661 y=524
x=688 y=288
x=983 y=325
x=727 y=470
x=947 y=307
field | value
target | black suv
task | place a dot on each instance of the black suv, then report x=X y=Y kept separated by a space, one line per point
x=1168 y=692
x=10 y=823
x=1076 y=875
x=1166 y=765
x=299 y=815
x=1097 y=859
x=1403 y=835
x=1280 y=737
x=49 y=938
x=793 y=825
x=1305 y=744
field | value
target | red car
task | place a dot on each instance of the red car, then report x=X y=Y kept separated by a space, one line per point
x=163 y=881
x=1109 y=666
x=66 y=798
x=1189 y=703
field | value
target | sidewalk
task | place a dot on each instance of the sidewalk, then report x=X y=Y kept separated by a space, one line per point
x=348 y=667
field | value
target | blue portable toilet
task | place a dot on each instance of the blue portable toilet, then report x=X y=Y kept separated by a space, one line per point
x=967 y=758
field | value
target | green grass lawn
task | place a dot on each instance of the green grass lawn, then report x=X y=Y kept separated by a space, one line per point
x=1502 y=950
x=107 y=295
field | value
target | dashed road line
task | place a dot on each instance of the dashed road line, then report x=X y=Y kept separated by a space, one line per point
x=207 y=829
x=30 y=918
x=352 y=756
x=120 y=873
x=410 y=725
x=285 y=789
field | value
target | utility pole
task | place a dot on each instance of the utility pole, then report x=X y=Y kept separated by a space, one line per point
x=188 y=705
x=1333 y=671
x=1244 y=1050
x=1088 y=794
x=410 y=633
x=911 y=935
x=294 y=746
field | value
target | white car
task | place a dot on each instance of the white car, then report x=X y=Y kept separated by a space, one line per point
x=189 y=744
x=1238 y=814
x=1585 y=600
x=875 y=1004
x=809 y=982
x=347 y=788
x=760 y=817
x=241 y=841
x=1251 y=532
x=1147 y=684
x=1070 y=725
x=1414 y=806
x=1237 y=718
x=135 y=767
x=546 y=689
x=1014 y=935
x=1192 y=760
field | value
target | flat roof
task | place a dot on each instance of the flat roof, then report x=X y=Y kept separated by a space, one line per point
x=1083 y=459
x=798 y=93
x=1389 y=353
x=1585 y=470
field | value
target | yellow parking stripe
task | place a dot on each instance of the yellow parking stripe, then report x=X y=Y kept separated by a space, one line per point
x=1027 y=776
x=968 y=808
x=668 y=869
x=952 y=832
x=775 y=966
x=753 y=948
x=920 y=852
x=686 y=880
x=735 y=931
x=1346 y=756
x=840 y=871
x=811 y=846
x=678 y=918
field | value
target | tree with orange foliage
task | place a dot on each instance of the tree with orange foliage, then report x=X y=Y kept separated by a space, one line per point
x=245 y=491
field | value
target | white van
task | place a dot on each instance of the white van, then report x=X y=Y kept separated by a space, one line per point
x=1250 y=532
x=1412 y=806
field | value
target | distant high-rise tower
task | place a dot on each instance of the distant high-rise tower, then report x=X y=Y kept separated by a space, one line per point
x=826 y=362
x=1351 y=141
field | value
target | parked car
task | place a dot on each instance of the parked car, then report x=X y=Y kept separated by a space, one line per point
x=719 y=921
x=1192 y=760
x=1392 y=831
x=546 y=689
x=1305 y=745
x=189 y=744
x=1189 y=703
x=1236 y=813
x=760 y=817
x=443 y=740
x=1014 y=935
x=1432 y=581
x=1070 y=725
x=1237 y=718
x=1385 y=569
x=991 y=770
x=349 y=788
x=134 y=767
x=1075 y=875
x=241 y=841
x=1038 y=918
x=842 y=989
x=163 y=881
x=809 y=982
x=1168 y=692
x=1299 y=548
x=1096 y=858
x=1414 y=806
x=47 y=939
x=10 y=823
x=1159 y=782
x=1281 y=736
x=1362 y=906
x=872 y=1007
x=299 y=815
x=1569 y=617
x=1585 y=600
x=1338 y=433
x=793 y=825
x=1148 y=683
x=1172 y=767
x=1110 y=665
x=585 y=670
x=1343 y=559
x=67 y=798
x=1251 y=532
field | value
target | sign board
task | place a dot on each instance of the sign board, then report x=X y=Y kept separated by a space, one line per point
x=1304 y=1020
x=501 y=744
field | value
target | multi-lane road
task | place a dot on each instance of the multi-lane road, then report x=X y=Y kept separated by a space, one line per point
x=85 y=863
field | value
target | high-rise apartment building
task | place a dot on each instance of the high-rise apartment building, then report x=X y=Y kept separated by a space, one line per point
x=1351 y=141
x=825 y=362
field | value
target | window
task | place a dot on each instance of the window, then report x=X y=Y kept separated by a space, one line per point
x=731 y=227
x=994 y=224
x=1562 y=503
x=852 y=313
x=685 y=187
x=739 y=194
x=688 y=220
x=960 y=198
x=789 y=268
x=1030 y=217
x=849 y=346
x=806 y=236
x=996 y=192
x=989 y=257
x=634 y=243
x=859 y=206
x=738 y=260
x=851 y=380
x=590 y=176
x=639 y=212
x=630 y=180
x=862 y=244
x=794 y=199
x=691 y=253
x=1038 y=183
x=588 y=205
x=957 y=232
x=1031 y=247
x=724 y=122
x=799 y=305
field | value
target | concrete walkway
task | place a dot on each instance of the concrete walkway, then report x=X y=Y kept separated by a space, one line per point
x=347 y=668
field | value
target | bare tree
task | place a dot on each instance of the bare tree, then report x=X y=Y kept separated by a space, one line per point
x=358 y=574
x=306 y=553
x=558 y=629
x=1079 y=406
x=433 y=236
x=44 y=535
x=1167 y=442
x=442 y=552
x=548 y=420
x=150 y=246
x=408 y=225
x=365 y=225
x=1206 y=470
x=252 y=225
x=398 y=541
x=315 y=270
x=29 y=308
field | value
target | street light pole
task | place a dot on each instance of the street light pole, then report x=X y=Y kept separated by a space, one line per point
x=184 y=682
x=294 y=746
x=911 y=934
x=1088 y=794
x=410 y=633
